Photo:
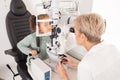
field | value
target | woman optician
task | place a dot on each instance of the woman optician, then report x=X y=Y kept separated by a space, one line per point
x=102 y=62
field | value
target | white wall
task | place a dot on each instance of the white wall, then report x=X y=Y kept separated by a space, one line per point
x=110 y=10
x=4 y=42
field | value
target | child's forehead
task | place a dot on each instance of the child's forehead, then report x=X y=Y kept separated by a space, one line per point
x=43 y=23
x=43 y=17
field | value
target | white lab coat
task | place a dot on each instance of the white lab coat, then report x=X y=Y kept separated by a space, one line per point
x=102 y=62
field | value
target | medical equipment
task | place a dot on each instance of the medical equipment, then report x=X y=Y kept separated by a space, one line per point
x=58 y=47
x=39 y=70
x=59 y=34
x=42 y=8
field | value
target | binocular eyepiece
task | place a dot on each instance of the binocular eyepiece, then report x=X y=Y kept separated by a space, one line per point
x=70 y=30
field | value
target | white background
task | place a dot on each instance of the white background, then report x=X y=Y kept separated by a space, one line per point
x=109 y=9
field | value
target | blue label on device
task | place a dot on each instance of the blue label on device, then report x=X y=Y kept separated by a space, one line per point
x=47 y=75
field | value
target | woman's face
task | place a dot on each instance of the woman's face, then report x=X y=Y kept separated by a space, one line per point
x=79 y=37
x=44 y=27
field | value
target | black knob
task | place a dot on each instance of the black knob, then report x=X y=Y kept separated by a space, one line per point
x=72 y=30
x=30 y=54
x=58 y=30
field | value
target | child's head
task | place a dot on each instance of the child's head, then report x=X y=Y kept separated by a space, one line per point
x=44 y=27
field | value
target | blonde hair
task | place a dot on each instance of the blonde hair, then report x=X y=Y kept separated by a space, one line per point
x=92 y=25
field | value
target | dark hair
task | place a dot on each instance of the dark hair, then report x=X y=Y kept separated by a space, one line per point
x=32 y=20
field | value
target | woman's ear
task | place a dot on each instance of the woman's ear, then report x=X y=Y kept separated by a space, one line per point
x=83 y=37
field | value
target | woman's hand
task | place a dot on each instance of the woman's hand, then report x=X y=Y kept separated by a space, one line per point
x=33 y=52
x=61 y=70
x=70 y=62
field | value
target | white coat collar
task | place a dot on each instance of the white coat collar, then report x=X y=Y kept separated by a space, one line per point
x=97 y=47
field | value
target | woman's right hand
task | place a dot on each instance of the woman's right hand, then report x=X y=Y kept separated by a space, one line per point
x=33 y=52
x=70 y=62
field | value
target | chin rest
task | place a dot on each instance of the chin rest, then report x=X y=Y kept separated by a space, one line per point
x=17 y=26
